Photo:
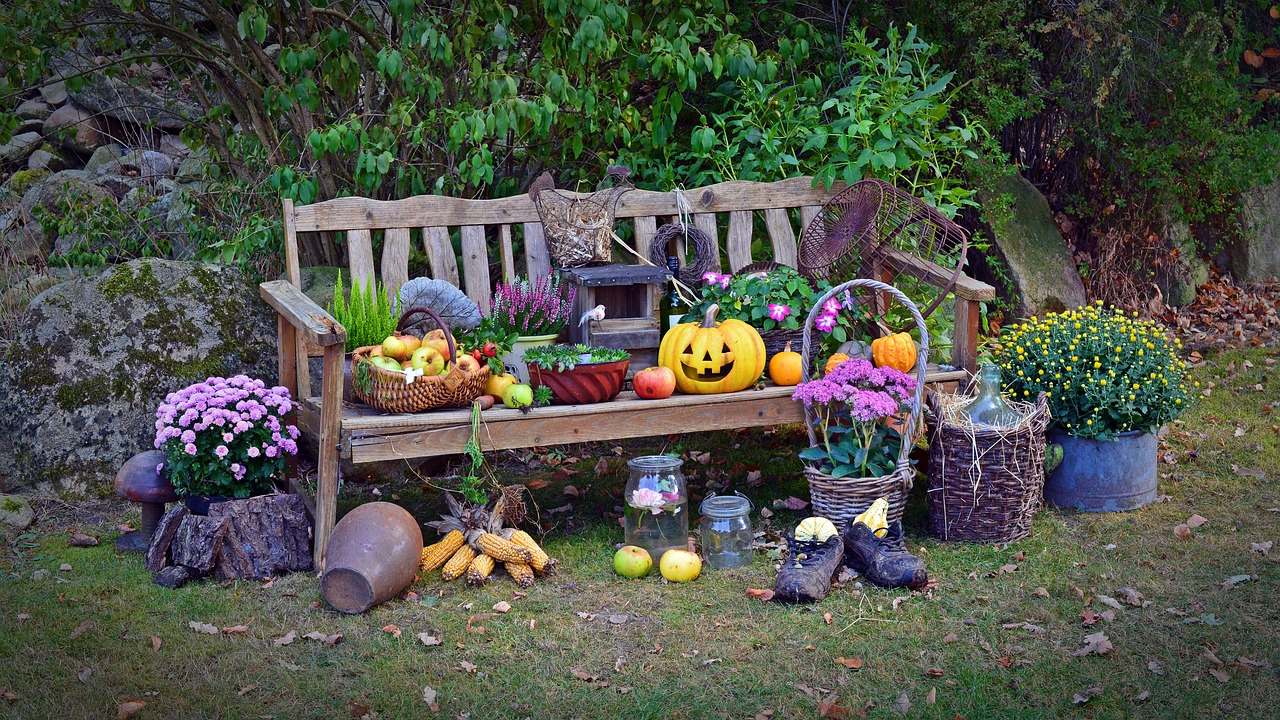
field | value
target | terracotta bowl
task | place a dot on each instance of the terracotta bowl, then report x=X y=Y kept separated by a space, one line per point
x=584 y=384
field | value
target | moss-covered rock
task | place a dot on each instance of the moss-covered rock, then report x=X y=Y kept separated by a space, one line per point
x=93 y=357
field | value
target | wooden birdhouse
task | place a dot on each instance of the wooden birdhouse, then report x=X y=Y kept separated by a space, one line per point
x=627 y=292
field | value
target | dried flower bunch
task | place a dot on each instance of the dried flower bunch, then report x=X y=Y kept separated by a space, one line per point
x=542 y=307
x=225 y=437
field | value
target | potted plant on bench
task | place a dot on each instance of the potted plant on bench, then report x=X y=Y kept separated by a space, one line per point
x=578 y=374
x=536 y=312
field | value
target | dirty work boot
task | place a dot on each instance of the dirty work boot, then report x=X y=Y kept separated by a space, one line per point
x=811 y=581
x=883 y=561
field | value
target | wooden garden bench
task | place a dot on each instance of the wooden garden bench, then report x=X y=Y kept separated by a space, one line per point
x=487 y=229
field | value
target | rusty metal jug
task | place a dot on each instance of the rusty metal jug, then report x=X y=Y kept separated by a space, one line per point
x=373 y=554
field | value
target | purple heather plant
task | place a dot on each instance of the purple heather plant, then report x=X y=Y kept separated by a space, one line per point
x=225 y=437
x=851 y=403
x=539 y=308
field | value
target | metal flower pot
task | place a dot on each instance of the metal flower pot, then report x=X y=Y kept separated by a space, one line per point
x=1103 y=475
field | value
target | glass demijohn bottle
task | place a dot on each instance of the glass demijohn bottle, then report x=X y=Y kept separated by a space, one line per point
x=989 y=407
x=656 y=505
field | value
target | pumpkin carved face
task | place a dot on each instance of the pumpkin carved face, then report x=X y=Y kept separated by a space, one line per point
x=711 y=357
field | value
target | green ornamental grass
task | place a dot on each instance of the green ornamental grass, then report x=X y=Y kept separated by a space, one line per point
x=369 y=317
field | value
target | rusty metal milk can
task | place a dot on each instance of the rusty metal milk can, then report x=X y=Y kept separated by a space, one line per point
x=373 y=554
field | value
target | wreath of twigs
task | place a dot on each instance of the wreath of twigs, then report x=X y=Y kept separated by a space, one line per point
x=703 y=247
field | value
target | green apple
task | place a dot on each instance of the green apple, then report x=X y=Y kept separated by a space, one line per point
x=632 y=562
x=385 y=363
x=427 y=360
x=517 y=395
x=396 y=347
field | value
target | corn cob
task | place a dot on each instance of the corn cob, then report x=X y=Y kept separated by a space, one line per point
x=457 y=565
x=479 y=570
x=521 y=573
x=433 y=556
x=541 y=563
x=504 y=550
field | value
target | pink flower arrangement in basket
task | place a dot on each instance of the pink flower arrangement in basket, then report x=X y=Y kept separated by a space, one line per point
x=851 y=402
x=542 y=307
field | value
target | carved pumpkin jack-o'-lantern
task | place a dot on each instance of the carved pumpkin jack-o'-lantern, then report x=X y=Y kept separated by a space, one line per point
x=711 y=357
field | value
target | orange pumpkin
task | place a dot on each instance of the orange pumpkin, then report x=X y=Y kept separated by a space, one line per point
x=784 y=367
x=834 y=362
x=897 y=351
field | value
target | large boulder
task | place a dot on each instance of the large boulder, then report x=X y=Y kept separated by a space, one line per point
x=75 y=128
x=117 y=99
x=19 y=147
x=1043 y=275
x=1255 y=253
x=1179 y=279
x=93 y=357
x=26 y=237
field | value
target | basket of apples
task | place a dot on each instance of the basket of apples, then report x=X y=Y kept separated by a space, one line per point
x=405 y=374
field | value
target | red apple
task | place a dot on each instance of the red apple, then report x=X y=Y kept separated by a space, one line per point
x=654 y=383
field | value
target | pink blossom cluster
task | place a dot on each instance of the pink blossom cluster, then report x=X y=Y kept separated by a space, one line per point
x=715 y=278
x=826 y=322
x=868 y=392
x=539 y=308
x=227 y=425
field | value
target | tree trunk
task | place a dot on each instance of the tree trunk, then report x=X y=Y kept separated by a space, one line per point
x=257 y=537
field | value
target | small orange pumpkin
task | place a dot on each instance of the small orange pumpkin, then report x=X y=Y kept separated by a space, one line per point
x=784 y=367
x=834 y=362
x=897 y=351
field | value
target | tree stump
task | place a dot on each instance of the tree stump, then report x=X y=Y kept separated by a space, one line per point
x=256 y=537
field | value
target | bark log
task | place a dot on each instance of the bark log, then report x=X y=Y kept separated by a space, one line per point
x=158 y=552
x=256 y=537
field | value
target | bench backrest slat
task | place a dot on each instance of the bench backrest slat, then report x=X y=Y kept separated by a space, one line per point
x=781 y=236
x=536 y=258
x=475 y=265
x=360 y=256
x=505 y=251
x=706 y=222
x=738 y=241
x=439 y=249
x=395 y=259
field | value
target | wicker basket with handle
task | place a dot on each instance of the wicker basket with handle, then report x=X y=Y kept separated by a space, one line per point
x=387 y=391
x=842 y=499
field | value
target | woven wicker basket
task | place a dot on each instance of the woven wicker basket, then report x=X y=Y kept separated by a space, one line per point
x=985 y=485
x=387 y=391
x=842 y=499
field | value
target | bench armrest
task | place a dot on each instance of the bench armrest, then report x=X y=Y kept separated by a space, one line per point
x=966 y=288
x=303 y=313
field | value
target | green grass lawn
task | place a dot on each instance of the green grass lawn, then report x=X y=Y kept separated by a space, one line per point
x=78 y=642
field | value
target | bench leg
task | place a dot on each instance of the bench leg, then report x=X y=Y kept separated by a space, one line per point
x=330 y=427
x=964 y=350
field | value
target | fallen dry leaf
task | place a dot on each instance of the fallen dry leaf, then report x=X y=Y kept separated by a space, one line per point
x=203 y=627
x=795 y=503
x=1182 y=532
x=826 y=617
x=754 y=478
x=358 y=711
x=950 y=638
x=1209 y=655
x=935 y=672
x=758 y=594
x=329 y=640
x=1097 y=644
x=128 y=709
x=478 y=618
x=1040 y=592
x=392 y=629
x=287 y=639
x=853 y=663
x=502 y=607
x=1032 y=627
x=1005 y=662
x=469 y=667
x=1110 y=602
x=899 y=600
x=1088 y=616
x=429 y=697
x=1221 y=675
x=246 y=690
x=84 y=674
x=902 y=705
x=1196 y=521
x=9 y=695
x=82 y=540
x=1154 y=667
x=82 y=627
x=1262 y=548
x=428 y=639
x=569 y=490
x=583 y=675
x=235 y=629
x=536 y=484
x=1235 y=580
x=1086 y=695
x=829 y=709
x=619 y=619
x=155 y=644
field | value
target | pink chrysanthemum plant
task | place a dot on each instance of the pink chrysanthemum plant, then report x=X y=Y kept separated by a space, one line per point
x=850 y=405
x=225 y=437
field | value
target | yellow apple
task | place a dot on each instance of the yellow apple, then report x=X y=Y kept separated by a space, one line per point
x=428 y=361
x=680 y=566
x=497 y=383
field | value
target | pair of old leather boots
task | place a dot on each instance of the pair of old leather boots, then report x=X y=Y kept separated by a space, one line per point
x=806 y=576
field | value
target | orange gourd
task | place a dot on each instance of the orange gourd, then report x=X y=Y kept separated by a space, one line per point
x=897 y=351
x=834 y=361
x=784 y=367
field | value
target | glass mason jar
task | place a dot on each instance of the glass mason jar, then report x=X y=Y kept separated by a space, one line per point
x=989 y=407
x=657 y=505
x=727 y=539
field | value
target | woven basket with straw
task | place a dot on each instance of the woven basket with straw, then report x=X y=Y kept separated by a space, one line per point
x=842 y=499
x=387 y=391
x=985 y=484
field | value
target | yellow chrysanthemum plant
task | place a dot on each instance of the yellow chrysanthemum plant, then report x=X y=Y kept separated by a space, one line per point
x=1105 y=372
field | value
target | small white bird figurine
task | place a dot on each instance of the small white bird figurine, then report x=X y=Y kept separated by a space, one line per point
x=595 y=314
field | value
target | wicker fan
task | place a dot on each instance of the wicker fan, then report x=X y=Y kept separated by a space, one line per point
x=875 y=231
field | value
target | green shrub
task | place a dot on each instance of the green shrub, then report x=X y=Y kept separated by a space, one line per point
x=368 y=318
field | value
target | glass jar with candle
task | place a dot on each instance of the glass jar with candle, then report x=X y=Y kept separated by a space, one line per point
x=656 y=505
x=727 y=539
